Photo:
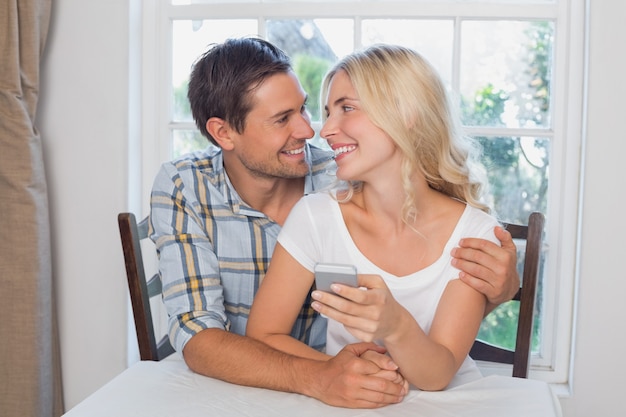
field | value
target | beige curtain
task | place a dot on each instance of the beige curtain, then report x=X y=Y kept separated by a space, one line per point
x=30 y=381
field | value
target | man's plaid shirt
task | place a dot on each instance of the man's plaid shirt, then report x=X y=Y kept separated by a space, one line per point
x=214 y=249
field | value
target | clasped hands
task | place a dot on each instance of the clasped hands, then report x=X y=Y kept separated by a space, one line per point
x=361 y=375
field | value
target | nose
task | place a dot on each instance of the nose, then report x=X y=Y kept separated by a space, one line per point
x=328 y=129
x=303 y=129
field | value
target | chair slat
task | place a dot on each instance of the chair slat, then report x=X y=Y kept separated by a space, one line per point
x=141 y=291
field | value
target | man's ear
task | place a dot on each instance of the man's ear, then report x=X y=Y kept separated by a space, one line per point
x=221 y=132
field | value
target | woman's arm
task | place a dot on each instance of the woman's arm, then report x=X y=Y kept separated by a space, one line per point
x=448 y=342
x=428 y=361
x=277 y=303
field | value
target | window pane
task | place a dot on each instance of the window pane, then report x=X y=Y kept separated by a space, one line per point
x=190 y=38
x=313 y=46
x=431 y=38
x=186 y=141
x=505 y=73
x=517 y=172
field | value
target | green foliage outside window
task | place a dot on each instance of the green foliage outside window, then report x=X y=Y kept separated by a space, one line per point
x=517 y=169
x=310 y=71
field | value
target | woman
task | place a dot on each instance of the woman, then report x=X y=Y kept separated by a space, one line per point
x=408 y=196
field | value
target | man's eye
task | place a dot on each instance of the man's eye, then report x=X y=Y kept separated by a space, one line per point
x=283 y=119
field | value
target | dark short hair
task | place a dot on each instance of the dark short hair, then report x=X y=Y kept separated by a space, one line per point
x=223 y=78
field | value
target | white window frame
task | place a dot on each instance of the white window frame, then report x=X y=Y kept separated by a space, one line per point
x=554 y=362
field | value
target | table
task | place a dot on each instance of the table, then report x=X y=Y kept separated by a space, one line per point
x=168 y=389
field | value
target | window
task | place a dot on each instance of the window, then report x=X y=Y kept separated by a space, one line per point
x=514 y=66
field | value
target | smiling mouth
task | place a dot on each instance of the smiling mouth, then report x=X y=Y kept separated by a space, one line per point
x=295 y=151
x=344 y=149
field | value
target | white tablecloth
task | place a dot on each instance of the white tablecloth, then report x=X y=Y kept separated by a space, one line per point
x=168 y=388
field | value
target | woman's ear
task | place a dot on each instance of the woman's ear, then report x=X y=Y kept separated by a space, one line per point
x=221 y=132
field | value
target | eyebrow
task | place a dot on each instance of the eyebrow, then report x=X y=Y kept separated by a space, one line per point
x=339 y=101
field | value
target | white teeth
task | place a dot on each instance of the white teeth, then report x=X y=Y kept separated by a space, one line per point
x=344 y=149
x=295 y=151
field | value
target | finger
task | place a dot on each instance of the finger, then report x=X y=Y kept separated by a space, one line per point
x=351 y=293
x=362 y=348
x=503 y=235
x=326 y=305
x=359 y=295
x=477 y=266
x=347 y=300
x=483 y=265
x=391 y=376
x=479 y=251
x=488 y=262
x=371 y=281
x=381 y=360
x=480 y=285
x=481 y=271
x=358 y=326
x=383 y=390
x=331 y=300
x=356 y=295
x=362 y=296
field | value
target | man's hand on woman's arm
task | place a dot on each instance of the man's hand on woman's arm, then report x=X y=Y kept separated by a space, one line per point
x=489 y=268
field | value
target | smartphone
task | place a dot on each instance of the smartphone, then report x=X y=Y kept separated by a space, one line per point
x=327 y=274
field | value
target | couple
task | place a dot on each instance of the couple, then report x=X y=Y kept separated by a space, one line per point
x=406 y=199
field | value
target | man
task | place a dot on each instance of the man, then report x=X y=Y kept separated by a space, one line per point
x=215 y=216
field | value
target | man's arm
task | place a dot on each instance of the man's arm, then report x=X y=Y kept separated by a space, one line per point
x=346 y=380
x=489 y=268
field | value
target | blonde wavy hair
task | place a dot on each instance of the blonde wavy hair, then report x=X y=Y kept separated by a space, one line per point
x=403 y=95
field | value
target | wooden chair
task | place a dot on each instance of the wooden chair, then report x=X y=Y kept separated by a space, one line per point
x=141 y=291
x=520 y=357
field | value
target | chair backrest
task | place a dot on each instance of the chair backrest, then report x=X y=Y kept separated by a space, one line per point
x=520 y=357
x=141 y=290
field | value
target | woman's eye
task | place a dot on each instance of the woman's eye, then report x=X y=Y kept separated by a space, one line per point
x=347 y=108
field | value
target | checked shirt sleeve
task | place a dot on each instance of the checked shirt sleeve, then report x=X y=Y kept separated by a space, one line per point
x=192 y=291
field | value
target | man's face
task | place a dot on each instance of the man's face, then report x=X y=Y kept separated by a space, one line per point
x=276 y=130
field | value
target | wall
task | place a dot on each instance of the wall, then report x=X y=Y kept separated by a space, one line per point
x=83 y=122
x=83 y=117
x=599 y=360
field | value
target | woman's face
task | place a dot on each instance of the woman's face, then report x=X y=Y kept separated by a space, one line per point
x=362 y=149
